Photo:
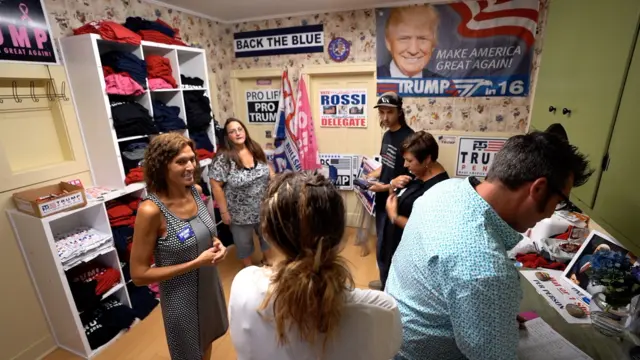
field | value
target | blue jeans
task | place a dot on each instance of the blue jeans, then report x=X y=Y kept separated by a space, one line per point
x=381 y=219
x=243 y=239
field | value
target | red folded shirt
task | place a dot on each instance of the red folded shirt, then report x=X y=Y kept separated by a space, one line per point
x=134 y=176
x=92 y=27
x=112 y=31
x=204 y=154
x=534 y=261
x=133 y=204
x=159 y=67
x=107 y=280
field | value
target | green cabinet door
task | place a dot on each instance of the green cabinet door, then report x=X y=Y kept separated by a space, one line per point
x=618 y=200
x=586 y=51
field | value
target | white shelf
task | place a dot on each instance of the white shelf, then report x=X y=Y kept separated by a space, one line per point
x=102 y=250
x=133 y=138
x=81 y=56
x=37 y=243
x=164 y=90
x=113 y=290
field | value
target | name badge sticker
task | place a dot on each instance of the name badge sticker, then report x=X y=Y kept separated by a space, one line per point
x=185 y=233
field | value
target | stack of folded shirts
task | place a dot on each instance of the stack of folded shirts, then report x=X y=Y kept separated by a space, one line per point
x=191 y=82
x=126 y=62
x=167 y=118
x=122 y=236
x=110 y=31
x=122 y=84
x=72 y=246
x=202 y=141
x=132 y=119
x=105 y=277
x=198 y=109
x=134 y=176
x=143 y=300
x=204 y=153
x=122 y=211
x=159 y=67
x=156 y=31
x=106 y=322
x=133 y=154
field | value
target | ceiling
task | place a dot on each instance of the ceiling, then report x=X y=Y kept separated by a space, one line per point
x=235 y=11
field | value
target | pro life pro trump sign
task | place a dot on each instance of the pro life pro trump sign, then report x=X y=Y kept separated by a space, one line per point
x=475 y=155
x=285 y=41
x=262 y=105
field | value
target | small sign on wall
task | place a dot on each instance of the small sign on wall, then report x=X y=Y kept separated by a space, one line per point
x=475 y=155
x=340 y=169
x=343 y=108
x=284 y=41
x=262 y=105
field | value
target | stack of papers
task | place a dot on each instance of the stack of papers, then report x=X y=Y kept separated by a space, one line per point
x=541 y=342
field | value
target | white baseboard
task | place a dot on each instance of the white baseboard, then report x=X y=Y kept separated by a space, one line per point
x=37 y=350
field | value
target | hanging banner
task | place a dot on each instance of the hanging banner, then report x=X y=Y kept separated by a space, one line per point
x=304 y=130
x=340 y=168
x=262 y=105
x=461 y=49
x=25 y=33
x=283 y=41
x=285 y=155
x=475 y=155
x=343 y=108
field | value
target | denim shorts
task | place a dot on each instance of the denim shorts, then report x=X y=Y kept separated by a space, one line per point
x=243 y=239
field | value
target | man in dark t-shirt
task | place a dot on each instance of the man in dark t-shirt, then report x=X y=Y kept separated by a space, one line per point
x=392 y=118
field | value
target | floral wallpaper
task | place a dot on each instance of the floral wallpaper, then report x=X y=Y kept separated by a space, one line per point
x=504 y=114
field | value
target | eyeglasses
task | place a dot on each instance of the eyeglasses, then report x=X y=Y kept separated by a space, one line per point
x=236 y=131
x=565 y=203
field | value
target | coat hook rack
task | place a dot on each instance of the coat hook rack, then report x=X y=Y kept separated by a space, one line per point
x=50 y=92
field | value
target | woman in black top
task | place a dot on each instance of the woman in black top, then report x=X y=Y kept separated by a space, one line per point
x=420 y=153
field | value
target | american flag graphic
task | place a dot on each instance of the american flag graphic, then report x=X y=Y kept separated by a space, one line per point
x=488 y=145
x=498 y=17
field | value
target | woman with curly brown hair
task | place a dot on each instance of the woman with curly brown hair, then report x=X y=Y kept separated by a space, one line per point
x=174 y=226
x=306 y=307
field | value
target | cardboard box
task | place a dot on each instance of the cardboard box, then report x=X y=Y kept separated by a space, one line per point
x=28 y=201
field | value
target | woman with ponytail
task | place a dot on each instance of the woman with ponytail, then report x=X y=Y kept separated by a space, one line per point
x=305 y=307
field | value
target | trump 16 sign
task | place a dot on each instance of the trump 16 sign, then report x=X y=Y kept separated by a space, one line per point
x=475 y=155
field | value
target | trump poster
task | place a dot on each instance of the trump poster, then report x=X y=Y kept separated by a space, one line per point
x=25 y=34
x=460 y=49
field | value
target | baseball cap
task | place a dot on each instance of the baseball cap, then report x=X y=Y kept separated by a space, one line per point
x=389 y=99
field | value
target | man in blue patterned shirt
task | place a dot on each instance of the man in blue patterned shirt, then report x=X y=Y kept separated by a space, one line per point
x=457 y=291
